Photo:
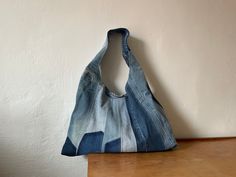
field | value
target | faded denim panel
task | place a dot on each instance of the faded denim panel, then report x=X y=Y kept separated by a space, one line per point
x=115 y=120
x=108 y=115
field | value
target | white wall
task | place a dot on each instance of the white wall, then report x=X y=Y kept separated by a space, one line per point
x=186 y=48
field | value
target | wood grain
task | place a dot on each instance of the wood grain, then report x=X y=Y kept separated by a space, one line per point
x=198 y=158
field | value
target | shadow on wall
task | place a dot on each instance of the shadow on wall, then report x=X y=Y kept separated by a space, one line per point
x=180 y=126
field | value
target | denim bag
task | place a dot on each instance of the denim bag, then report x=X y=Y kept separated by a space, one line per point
x=105 y=122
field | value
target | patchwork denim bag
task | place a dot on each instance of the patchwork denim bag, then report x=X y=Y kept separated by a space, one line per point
x=105 y=122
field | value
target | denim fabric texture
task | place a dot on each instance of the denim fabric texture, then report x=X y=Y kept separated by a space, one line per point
x=105 y=122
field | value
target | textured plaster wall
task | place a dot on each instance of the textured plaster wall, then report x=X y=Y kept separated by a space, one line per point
x=186 y=48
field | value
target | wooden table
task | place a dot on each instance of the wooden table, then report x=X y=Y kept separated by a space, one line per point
x=192 y=158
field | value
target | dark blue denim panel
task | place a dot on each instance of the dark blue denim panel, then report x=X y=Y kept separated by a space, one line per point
x=68 y=148
x=140 y=132
x=91 y=142
x=140 y=120
x=113 y=146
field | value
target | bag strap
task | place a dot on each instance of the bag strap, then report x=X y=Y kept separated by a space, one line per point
x=125 y=34
x=125 y=48
x=135 y=71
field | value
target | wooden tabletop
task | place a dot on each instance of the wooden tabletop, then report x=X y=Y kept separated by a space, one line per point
x=192 y=158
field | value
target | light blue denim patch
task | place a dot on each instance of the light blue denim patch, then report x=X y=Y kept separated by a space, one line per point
x=105 y=122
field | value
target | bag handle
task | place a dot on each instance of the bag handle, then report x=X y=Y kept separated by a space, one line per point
x=136 y=76
x=135 y=71
x=125 y=34
x=124 y=44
